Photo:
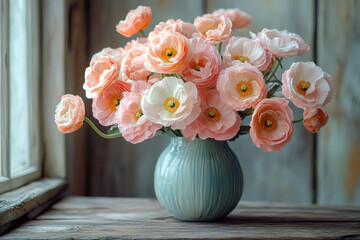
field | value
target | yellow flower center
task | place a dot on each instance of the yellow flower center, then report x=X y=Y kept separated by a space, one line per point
x=168 y=53
x=244 y=88
x=114 y=104
x=137 y=115
x=171 y=104
x=270 y=124
x=242 y=58
x=303 y=86
x=212 y=114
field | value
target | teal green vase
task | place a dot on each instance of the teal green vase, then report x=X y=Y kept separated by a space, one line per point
x=198 y=180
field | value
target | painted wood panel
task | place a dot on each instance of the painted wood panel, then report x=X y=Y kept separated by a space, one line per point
x=339 y=141
x=284 y=176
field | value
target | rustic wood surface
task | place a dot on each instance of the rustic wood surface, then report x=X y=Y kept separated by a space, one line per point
x=339 y=140
x=129 y=218
x=28 y=201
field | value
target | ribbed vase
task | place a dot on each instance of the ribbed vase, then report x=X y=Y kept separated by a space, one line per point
x=198 y=180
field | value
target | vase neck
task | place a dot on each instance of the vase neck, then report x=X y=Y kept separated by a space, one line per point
x=197 y=142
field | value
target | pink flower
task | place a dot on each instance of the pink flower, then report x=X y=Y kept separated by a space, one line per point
x=279 y=43
x=171 y=102
x=69 y=113
x=168 y=52
x=184 y=28
x=136 y=20
x=307 y=85
x=104 y=105
x=241 y=86
x=314 y=119
x=238 y=18
x=132 y=43
x=104 y=69
x=153 y=79
x=303 y=47
x=132 y=67
x=133 y=124
x=271 y=124
x=213 y=28
x=205 y=66
x=217 y=120
x=247 y=50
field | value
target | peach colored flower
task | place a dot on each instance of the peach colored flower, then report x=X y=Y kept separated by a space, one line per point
x=168 y=52
x=104 y=69
x=132 y=43
x=205 y=66
x=217 y=120
x=303 y=47
x=314 y=119
x=133 y=124
x=184 y=28
x=136 y=20
x=241 y=86
x=238 y=18
x=104 y=105
x=69 y=113
x=213 y=28
x=307 y=85
x=171 y=102
x=132 y=67
x=279 y=43
x=271 y=124
x=247 y=50
x=153 y=79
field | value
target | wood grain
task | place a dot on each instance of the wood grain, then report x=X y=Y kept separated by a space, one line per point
x=129 y=218
x=339 y=140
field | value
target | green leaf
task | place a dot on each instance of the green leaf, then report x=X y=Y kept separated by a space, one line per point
x=113 y=129
x=243 y=131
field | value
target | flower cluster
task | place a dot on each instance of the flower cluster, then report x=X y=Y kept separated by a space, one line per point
x=176 y=80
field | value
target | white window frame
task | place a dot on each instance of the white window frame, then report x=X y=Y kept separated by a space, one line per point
x=10 y=181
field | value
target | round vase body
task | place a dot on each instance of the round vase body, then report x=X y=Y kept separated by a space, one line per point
x=199 y=180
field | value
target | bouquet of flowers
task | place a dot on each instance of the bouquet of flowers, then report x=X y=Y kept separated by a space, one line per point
x=180 y=81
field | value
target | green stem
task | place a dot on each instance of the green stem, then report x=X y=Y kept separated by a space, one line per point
x=275 y=69
x=101 y=134
x=298 y=120
x=142 y=33
x=219 y=47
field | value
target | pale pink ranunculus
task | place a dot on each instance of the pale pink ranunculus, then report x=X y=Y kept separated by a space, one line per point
x=238 y=18
x=153 y=79
x=314 y=119
x=168 y=52
x=133 y=43
x=307 y=85
x=184 y=28
x=271 y=124
x=104 y=69
x=217 y=120
x=105 y=104
x=241 y=86
x=279 y=43
x=134 y=126
x=69 y=113
x=132 y=66
x=136 y=20
x=247 y=50
x=213 y=28
x=171 y=102
x=205 y=65
x=303 y=47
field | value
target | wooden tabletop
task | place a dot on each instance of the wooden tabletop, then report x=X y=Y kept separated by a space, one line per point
x=137 y=218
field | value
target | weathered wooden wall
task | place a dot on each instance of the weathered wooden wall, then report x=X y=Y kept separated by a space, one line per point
x=118 y=168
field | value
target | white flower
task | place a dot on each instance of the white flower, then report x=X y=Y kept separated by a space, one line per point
x=171 y=102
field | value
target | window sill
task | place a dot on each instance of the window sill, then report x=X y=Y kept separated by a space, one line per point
x=28 y=201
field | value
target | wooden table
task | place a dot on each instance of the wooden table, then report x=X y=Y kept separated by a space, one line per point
x=135 y=218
